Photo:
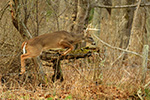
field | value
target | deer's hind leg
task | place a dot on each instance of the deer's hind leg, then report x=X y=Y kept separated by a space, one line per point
x=23 y=57
x=30 y=54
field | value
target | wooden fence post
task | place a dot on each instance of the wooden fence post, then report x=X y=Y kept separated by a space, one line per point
x=144 y=63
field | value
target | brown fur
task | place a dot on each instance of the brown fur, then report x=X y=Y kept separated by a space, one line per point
x=59 y=39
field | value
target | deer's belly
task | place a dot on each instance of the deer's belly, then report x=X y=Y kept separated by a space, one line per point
x=52 y=48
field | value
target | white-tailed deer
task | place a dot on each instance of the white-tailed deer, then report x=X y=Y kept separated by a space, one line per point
x=59 y=39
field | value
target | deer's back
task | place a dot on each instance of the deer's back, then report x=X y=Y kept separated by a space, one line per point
x=52 y=39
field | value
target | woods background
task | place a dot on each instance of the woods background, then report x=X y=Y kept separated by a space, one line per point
x=120 y=28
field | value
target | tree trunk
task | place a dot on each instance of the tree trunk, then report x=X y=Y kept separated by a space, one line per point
x=137 y=36
x=83 y=9
x=115 y=29
x=20 y=25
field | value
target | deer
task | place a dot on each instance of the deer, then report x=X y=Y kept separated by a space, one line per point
x=56 y=40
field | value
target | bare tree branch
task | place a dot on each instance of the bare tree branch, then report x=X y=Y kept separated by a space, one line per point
x=21 y=26
x=55 y=13
x=122 y=6
x=2 y=11
x=117 y=48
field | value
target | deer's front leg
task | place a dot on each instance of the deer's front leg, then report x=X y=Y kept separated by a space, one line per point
x=67 y=51
x=66 y=44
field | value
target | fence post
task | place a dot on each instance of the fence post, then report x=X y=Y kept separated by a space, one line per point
x=144 y=63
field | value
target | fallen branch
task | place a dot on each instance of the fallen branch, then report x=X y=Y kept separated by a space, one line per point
x=81 y=53
x=54 y=57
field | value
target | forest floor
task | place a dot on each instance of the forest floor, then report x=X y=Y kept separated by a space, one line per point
x=84 y=81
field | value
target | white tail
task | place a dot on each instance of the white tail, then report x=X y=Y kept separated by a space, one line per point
x=24 y=48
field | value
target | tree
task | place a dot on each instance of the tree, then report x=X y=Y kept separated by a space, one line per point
x=116 y=29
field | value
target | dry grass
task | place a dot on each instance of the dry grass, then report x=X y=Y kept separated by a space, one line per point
x=108 y=83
